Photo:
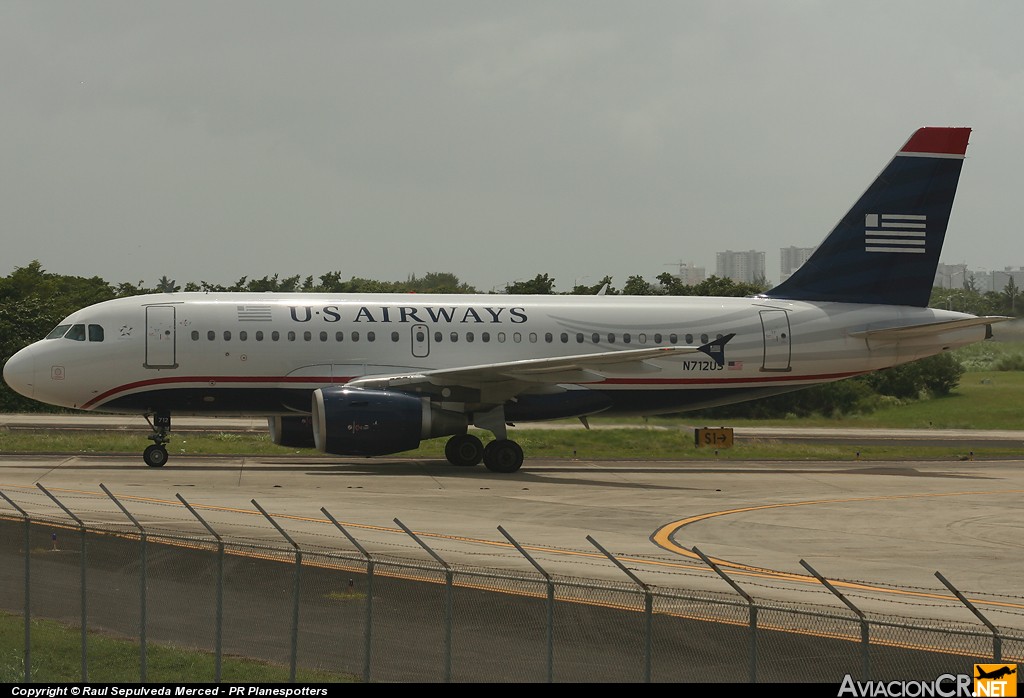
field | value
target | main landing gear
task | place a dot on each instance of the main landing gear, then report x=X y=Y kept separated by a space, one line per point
x=499 y=456
x=156 y=455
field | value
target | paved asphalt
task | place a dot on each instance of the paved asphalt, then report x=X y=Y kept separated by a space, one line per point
x=884 y=525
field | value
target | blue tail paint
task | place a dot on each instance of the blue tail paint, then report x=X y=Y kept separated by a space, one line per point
x=886 y=249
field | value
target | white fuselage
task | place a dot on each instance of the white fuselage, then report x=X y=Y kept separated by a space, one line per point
x=264 y=354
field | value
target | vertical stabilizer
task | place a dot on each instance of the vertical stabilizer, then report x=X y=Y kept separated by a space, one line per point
x=886 y=249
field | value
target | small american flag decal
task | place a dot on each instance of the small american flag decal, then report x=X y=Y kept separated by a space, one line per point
x=894 y=232
x=735 y=365
x=254 y=313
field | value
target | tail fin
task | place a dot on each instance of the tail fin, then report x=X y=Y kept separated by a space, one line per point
x=886 y=249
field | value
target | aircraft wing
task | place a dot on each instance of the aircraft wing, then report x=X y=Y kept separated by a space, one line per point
x=497 y=382
x=911 y=331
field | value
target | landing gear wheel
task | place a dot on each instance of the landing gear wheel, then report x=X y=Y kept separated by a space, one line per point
x=464 y=450
x=503 y=456
x=155 y=456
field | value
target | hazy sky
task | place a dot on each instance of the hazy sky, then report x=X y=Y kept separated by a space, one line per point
x=494 y=140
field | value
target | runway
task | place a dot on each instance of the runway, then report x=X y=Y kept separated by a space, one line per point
x=879 y=531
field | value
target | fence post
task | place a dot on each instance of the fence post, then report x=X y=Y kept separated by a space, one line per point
x=28 y=608
x=997 y=640
x=295 y=590
x=551 y=601
x=142 y=583
x=750 y=605
x=368 y=630
x=449 y=587
x=864 y=634
x=648 y=608
x=218 y=641
x=82 y=577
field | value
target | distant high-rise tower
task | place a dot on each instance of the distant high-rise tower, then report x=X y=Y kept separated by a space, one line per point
x=791 y=259
x=742 y=267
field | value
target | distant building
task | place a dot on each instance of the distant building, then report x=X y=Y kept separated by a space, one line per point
x=742 y=267
x=690 y=274
x=997 y=279
x=953 y=276
x=791 y=259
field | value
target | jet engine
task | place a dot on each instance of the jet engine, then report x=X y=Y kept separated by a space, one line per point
x=359 y=422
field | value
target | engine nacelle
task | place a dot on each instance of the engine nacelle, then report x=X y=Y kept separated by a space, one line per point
x=358 y=422
x=293 y=432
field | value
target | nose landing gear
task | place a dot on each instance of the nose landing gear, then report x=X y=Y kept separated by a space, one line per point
x=156 y=455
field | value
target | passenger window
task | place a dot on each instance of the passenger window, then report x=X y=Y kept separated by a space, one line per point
x=595 y=338
x=355 y=336
x=455 y=336
x=611 y=338
x=703 y=339
x=275 y=335
x=243 y=335
x=673 y=338
x=469 y=336
x=211 y=335
x=565 y=338
x=95 y=333
x=58 y=332
x=259 y=335
x=291 y=335
x=579 y=338
x=642 y=338
x=689 y=339
x=485 y=336
x=548 y=337
x=533 y=337
x=501 y=337
x=307 y=335
x=77 y=333
x=339 y=336
x=657 y=338
x=371 y=336
x=626 y=338
x=394 y=336
x=420 y=335
x=227 y=335
x=438 y=336
x=195 y=335
x=517 y=337
x=323 y=336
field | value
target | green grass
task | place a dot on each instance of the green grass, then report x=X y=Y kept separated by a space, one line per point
x=985 y=399
x=56 y=658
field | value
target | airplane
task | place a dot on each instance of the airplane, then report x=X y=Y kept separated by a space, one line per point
x=995 y=673
x=376 y=374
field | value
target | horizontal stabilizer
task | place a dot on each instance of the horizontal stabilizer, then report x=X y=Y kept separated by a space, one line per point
x=934 y=328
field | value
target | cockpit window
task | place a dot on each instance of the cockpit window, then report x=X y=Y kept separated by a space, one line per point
x=58 y=332
x=77 y=333
x=95 y=333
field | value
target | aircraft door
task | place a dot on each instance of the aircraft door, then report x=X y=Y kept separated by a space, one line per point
x=160 y=351
x=777 y=347
x=420 y=341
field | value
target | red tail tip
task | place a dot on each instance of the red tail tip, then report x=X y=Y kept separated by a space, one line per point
x=941 y=141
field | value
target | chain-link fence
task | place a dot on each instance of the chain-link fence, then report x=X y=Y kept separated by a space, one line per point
x=373 y=618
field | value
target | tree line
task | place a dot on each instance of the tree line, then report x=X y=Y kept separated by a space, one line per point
x=33 y=301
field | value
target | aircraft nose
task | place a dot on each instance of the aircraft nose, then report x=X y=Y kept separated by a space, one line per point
x=19 y=373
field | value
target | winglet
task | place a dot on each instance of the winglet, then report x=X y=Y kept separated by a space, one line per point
x=716 y=349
